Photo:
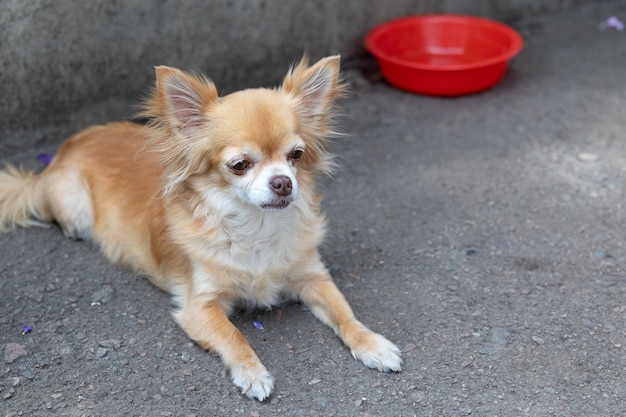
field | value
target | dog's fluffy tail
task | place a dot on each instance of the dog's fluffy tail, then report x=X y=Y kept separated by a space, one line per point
x=22 y=199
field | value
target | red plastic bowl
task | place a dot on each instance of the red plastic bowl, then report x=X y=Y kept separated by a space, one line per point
x=443 y=55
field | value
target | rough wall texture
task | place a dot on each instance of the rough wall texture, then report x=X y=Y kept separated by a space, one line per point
x=60 y=56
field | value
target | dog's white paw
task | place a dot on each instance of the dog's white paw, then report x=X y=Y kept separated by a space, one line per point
x=379 y=353
x=254 y=383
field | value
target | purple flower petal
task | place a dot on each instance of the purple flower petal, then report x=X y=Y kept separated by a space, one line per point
x=615 y=23
x=612 y=23
x=257 y=324
x=26 y=329
x=45 y=158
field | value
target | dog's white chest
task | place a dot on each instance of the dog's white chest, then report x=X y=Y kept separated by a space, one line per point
x=255 y=253
x=262 y=242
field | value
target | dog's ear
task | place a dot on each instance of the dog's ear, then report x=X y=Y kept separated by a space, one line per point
x=316 y=87
x=178 y=109
x=183 y=99
x=315 y=90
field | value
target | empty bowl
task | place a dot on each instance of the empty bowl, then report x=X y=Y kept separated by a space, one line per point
x=443 y=55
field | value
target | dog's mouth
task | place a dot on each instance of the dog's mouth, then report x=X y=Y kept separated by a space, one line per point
x=278 y=204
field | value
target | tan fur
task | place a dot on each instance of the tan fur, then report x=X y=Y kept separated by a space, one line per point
x=170 y=200
x=21 y=199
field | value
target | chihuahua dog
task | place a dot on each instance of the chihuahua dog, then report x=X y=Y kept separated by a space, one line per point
x=214 y=199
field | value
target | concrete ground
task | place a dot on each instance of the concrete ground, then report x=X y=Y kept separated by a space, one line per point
x=483 y=234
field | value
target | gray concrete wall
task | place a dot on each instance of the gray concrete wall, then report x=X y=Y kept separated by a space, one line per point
x=59 y=57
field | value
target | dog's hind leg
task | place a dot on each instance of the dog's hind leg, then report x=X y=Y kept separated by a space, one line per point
x=71 y=202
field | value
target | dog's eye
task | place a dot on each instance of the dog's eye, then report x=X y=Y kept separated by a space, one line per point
x=295 y=155
x=240 y=167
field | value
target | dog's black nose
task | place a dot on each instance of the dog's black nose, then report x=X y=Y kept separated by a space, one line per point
x=281 y=185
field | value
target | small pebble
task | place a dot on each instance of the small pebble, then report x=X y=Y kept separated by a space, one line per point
x=110 y=343
x=587 y=157
x=467 y=363
x=409 y=347
x=538 y=340
x=418 y=396
x=13 y=351
x=102 y=296
x=315 y=381
x=101 y=353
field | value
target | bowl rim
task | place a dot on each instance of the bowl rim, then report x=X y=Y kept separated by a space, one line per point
x=383 y=28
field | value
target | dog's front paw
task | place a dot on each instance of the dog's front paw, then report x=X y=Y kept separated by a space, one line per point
x=254 y=383
x=379 y=353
